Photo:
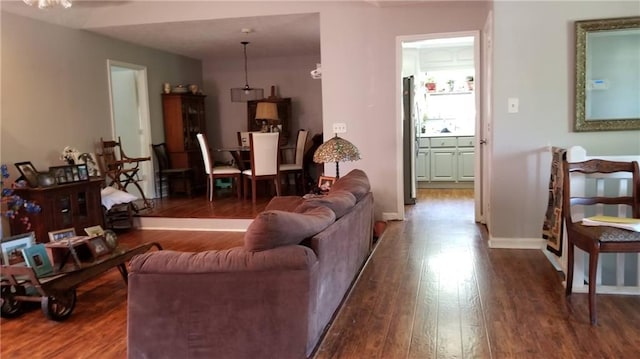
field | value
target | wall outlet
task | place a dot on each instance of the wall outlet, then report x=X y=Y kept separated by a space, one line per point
x=339 y=128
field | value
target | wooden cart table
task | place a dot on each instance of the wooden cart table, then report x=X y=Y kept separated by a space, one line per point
x=57 y=292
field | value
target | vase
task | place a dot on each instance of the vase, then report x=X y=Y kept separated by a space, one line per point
x=71 y=161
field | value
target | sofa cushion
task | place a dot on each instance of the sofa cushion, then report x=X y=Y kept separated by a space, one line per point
x=340 y=202
x=355 y=182
x=276 y=228
x=284 y=203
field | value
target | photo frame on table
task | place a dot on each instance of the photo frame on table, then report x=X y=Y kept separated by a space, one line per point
x=325 y=183
x=98 y=247
x=12 y=248
x=28 y=172
x=88 y=159
x=37 y=258
x=94 y=231
x=70 y=173
x=56 y=236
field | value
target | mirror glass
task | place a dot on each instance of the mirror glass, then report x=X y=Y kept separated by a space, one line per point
x=607 y=88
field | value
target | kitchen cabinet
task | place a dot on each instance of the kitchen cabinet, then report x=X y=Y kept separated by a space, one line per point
x=423 y=164
x=184 y=118
x=446 y=159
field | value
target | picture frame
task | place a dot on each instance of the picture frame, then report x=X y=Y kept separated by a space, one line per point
x=12 y=246
x=70 y=173
x=56 y=236
x=28 y=172
x=98 y=247
x=37 y=258
x=94 y=231
x=88 y=159
x=325 y=183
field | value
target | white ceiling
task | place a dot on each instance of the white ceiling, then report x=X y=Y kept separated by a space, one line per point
x=277 y=35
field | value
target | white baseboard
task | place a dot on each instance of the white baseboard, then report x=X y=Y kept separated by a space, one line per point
x=192 y=224
x=391 y=216
x=516 y=243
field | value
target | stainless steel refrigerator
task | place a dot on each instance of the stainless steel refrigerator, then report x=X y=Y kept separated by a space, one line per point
x=410 y=146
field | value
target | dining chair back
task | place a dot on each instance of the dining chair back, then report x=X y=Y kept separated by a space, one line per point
x=297 y=167
x=265 y=161
x=215 y=172
x=598 y=239
x=174 y=176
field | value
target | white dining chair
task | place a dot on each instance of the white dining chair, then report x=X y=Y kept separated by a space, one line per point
x=265 y=161
x=215 y=172
x=297 y=167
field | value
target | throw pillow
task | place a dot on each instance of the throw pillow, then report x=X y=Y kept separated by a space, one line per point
x=275 y=228
x=111 y=197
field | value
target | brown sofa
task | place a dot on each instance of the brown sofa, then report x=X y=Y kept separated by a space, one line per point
x=272 y=298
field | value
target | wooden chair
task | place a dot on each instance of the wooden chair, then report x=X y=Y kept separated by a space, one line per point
x=215 y=172
x=265 y=161
x=599 y=239
x=297 y=168
x=121 y=170
x=181 y=175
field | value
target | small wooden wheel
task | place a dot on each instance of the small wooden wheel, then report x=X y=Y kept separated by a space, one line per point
x=11 y=307
x=59 y=307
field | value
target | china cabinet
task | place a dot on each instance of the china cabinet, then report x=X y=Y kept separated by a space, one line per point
x=184 y=118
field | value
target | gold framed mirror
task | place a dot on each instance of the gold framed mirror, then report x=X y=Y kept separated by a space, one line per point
x=607 y=86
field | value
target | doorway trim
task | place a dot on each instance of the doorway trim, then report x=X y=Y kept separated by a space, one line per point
x=478 y=188
x=144 y=120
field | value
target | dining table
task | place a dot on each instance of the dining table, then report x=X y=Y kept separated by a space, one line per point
x=245 y=164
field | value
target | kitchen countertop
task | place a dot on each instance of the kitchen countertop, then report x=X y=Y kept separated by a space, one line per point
x=446 y=134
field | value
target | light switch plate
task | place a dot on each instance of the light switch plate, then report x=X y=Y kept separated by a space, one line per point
x=513 y=104
x=339 y=128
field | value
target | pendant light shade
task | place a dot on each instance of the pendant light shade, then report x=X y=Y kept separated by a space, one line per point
x=246 y=93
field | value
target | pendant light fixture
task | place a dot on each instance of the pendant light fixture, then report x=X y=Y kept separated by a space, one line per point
x=246 y=93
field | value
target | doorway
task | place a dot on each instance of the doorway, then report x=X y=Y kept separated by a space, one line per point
x=130 y=120
x=447 y=73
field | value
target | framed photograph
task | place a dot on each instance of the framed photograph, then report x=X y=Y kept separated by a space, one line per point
x=55 y=236
x=37 y=258
x=12 y=248
x=89 y=159
x=59 y=174
x=325 y=183
x=98 y=247
x=68 y=171
x=83 y=172
x=28 y=172
x=94 y=231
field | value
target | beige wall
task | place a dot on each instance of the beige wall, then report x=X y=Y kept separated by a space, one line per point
x=55 y=88
x=533 y=60
x=290 y=76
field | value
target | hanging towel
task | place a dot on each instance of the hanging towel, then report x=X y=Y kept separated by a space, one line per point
x=552 y=227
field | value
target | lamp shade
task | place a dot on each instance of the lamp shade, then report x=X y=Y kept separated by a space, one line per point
x=336 y=150
x=267 y=111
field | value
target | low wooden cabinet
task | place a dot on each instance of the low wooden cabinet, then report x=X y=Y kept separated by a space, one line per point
x=76 y=205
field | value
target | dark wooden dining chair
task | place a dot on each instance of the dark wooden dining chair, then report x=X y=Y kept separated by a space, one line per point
x=265 y=161
x=178 y=179
x=598 y=239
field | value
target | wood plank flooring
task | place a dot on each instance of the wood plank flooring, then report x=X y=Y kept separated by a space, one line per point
x=431 y=289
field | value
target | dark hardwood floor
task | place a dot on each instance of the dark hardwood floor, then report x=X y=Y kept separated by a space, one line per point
x=431 y=289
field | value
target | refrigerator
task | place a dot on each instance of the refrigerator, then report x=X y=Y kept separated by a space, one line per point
x=409 y=139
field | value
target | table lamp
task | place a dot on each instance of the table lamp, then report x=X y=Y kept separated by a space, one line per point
x=267 y=111
x=336 y=150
